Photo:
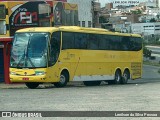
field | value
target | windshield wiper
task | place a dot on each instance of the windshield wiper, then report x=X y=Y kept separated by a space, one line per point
x=30 y=62
x=25 y=57
x=27 y=54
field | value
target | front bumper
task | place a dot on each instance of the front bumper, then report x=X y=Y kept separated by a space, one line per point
x=17 y=78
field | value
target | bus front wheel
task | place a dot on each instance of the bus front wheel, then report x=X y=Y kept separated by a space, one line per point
x=64 y=77
x=92 y=83
x=32 y=85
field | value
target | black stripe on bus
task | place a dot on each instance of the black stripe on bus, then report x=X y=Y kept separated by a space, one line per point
x=6 y=11
x=7 y=26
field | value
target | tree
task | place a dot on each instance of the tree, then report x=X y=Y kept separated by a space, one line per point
x=152 y=20
x=138 y=11
x=146 y=52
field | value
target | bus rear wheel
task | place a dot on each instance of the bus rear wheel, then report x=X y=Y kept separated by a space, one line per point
x=92 y=83
x=118 y=77
x=32 y=85
x=64 y=78
x=125 y=77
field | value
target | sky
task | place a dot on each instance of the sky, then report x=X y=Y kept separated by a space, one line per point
x=103 y=2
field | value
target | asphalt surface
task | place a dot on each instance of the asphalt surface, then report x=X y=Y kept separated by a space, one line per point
x=137 y=95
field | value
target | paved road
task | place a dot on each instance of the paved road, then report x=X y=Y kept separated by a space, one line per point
x=155 y=49
x=138 y=95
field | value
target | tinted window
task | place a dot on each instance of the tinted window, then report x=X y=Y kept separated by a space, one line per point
x=100 y=42
x=135 y=44
x=54 y=47
x=81 y=40
x=103 y=44
x=125 y=43
x=68 y=40
x=93 y=42
x=114 y=42
x=2 y=12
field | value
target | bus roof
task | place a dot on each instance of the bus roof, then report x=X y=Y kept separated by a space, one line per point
x=75 y=29
x=63 y=28
x=39 y=29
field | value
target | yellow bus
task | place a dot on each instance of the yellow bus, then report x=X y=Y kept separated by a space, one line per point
x=69 y=53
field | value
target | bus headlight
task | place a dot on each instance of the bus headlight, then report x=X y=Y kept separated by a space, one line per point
x=40 y=73
x=3 y=27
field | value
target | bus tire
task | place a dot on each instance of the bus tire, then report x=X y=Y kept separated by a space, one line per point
x=32 y=85
x=92 y=83
x=118 y=77
x=64 y=78
x=125 y=77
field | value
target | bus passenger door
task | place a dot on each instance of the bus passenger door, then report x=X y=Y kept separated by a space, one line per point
x=53 y=56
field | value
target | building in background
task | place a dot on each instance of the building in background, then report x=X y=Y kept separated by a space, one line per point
x=158 y=3
x=95 y=13
x=65 y=14
x=152 y=3
x=88 y=11
x=150 y=31
x=109 y=6
x=85 y=12
x=146 y=28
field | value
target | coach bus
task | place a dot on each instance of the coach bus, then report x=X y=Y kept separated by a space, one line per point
x=69 y=53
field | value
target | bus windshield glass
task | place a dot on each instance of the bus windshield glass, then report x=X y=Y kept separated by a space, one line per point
x=2 y=12
x=29 y=50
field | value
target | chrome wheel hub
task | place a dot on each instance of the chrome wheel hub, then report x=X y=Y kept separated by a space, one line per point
x=62 y=79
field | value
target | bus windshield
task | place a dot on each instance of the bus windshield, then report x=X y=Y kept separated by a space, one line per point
x=29 y=50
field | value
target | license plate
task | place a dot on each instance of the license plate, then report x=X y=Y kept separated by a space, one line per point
x=25 y=78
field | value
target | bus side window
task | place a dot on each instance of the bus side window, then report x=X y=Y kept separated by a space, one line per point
x=68 y=40
x=54 y=48
x=108 y=42
x=135 y=44
x=102 y=42
x=111 y=40
x=125 y=43
x=80 y=40
x=93 y=42
x=116 y=41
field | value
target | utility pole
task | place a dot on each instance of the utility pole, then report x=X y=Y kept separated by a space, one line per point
x=95 y=12
x=93 y=15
